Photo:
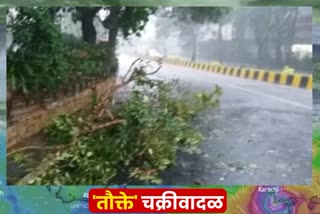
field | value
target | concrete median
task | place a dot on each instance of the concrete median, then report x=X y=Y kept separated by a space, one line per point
x=274 y=77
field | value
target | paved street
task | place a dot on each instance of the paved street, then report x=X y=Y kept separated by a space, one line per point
x=316 y=51
x=316 y=34
x=261 y=133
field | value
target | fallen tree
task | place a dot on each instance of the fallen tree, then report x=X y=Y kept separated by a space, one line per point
x=128 y=142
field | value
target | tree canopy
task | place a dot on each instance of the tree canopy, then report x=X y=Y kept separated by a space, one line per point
x=119 y=20
x=188 y=21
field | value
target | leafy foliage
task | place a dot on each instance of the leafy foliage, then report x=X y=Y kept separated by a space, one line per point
x=288 y=70
x=124 y=20
x=199 y=14
x=90 y=59
x=139 y=16
x=158 y=125
x=61 y=130
x=178 y=20
x=42 y=58
x=23 y=160
x=36 y=58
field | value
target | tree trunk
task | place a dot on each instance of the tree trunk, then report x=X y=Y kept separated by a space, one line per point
x=220 y=56
x=194 y=48
x=291 y=36
x=89 y=33
x=261 y=55
x=113 y=32
x=194 y=43
x=278 y=59
x=87 y=15
x=112 y=23
x=241 y=27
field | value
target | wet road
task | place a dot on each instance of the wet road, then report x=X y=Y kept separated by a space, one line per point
x=260 y=134
x=316 y=34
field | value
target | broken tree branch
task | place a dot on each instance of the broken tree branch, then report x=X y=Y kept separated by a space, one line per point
x=97 y=127
x=100 y=108
x=34 y=148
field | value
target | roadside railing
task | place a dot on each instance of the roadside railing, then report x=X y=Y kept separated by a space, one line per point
x=275 y=77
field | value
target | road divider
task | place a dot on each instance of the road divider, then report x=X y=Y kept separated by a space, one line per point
x=275 y=77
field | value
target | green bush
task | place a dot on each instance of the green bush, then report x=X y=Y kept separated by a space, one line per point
x=36 y=58
x=288 y=70
x=216 y=63
x=158 y=125
x=61 y=130
x=41 y=57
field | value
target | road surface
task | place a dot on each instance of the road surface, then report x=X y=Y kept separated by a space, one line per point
x=260 y=134
x=316 y=34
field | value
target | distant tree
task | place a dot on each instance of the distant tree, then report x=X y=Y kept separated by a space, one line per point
x=190 y=21
x=165 y=28
x=86 y=16
x=124 y=20
x=284 y=32
x=273 y=27
x=241 y=27
x=3 y=15
x=2 y=37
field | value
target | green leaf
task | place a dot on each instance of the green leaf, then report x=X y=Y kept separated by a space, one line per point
x=150 y=151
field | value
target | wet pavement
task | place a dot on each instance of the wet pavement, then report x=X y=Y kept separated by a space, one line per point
x=260 y=134
x=316 y=34
x=316 y=108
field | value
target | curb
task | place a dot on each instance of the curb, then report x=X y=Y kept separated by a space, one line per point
x=274 y=77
